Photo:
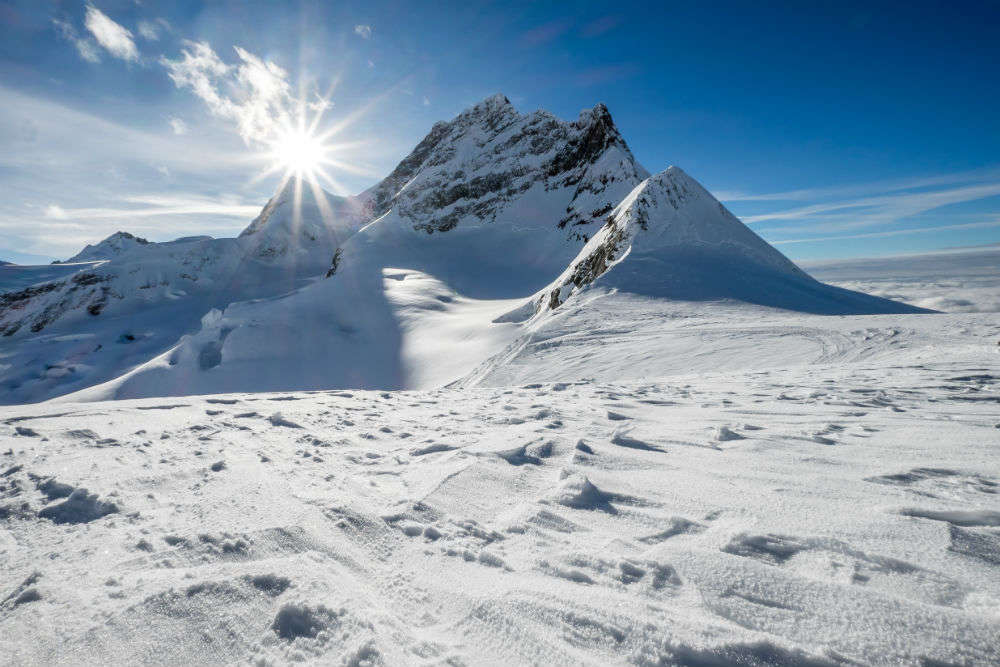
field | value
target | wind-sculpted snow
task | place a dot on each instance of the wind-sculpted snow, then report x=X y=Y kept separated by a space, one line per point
x=829 y=514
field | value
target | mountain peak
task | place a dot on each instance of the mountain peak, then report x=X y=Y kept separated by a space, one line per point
x=492 y=113
x=303 y=224
x=670 y=238
x=496 y=100
x=112 y=246
x=599 y=112
x=473 y=166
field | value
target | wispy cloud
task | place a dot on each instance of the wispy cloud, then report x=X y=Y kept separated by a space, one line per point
x=363 y=31
x=545 y=33
x=868 y=211
x=861 y=189
x=55 y=212
x=59 y=160
x=115 y=39
x=876 y=209
x=893 y=232
x=254 y=93
x=178 y=126
x=593 y=76
x=85 y=46
x=148 y=30
x=156 y=205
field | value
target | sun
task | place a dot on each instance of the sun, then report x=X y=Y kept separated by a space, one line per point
x=299 y=152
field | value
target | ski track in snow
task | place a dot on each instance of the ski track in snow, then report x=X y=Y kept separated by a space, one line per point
x=826 y=515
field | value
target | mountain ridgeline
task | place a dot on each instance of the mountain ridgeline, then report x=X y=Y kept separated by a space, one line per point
x=495 y=221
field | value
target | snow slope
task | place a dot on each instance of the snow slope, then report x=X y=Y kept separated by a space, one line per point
x=641 y=437
x=836 y=513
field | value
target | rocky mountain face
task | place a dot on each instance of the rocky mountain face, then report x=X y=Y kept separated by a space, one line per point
x=471 y=169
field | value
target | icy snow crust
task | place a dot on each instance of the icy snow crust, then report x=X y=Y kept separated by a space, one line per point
x=640 y=437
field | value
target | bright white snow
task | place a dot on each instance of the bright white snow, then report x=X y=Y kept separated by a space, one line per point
x=828 y=513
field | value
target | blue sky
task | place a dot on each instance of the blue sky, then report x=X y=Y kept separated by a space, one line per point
x=840 y=130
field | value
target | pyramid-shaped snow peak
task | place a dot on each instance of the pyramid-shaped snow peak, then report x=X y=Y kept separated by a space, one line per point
x=304 y=224
x=671 y=238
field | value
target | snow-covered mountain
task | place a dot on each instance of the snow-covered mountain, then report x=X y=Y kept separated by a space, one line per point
x=111 y=247
x=489 y=209
x=638 y=434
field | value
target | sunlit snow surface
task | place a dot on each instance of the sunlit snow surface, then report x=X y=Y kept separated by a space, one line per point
x=732 y=485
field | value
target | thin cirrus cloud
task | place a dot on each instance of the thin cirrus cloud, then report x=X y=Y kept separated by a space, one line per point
x=856 y=190
x=546 y=32
x=893 y=232
x=843 y=215
x=155 y=205
x=114 y=38
x=85 y=46
x=151 y=30
x=600 y=26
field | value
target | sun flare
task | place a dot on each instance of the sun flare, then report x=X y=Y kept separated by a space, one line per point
x=302 y=148
x=299 y=152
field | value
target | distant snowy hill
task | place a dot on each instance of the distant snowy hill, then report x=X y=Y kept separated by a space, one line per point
x=111 y=247
x=415 y=282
